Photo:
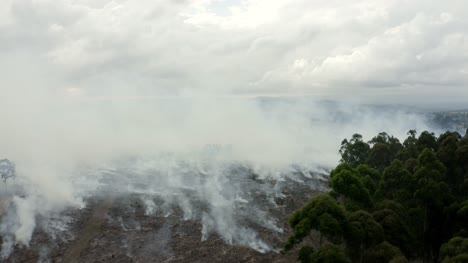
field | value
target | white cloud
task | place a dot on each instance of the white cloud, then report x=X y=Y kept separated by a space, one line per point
x=250 y=47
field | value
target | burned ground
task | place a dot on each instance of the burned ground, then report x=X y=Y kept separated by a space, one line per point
x=118 y=228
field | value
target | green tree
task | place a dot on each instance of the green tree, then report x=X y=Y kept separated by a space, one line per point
x=455 y=250
x=355 y=151
x=461 y=217
x=322 y=214
x=432 y=194
x=410 y=147
x=427 y=140
x=387 y=197
x=380 y=156
x=329 y=253
x=411 y=164
x=348 y=185
x=384 y=252
x=363 y=232
x=447 y=134
x=384 y=149
x=306 y=253
x=393 y=218
x=370 y=177
x=432 y=190
x=382 y=137
x=447 y=154
x=397 y=183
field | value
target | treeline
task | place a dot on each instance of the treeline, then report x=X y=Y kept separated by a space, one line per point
x=390 y=202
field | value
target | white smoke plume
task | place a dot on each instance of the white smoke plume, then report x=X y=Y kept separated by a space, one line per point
x=159 y=100
x=194 y=155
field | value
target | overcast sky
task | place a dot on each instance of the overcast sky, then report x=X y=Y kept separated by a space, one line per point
x=413 y=52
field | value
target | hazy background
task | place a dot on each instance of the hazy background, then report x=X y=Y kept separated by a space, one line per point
x=88 y=85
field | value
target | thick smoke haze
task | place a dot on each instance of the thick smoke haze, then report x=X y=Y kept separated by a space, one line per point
x=181 y=103
x=186 y=152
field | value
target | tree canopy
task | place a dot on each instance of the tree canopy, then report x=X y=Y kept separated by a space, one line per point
x=7 y=169
x=391 y=202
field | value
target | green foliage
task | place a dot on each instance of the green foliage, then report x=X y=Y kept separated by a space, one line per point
x=397 y=183
x=429 y=173
x=366 y=171
x=456 y=250
x=363 y=233
x=384 y=252
x=447 y=154
x=348 y=183
x=462 y=258
x=355 y=151
x=447 y=150
x=427 y=140
x=329 y=253
x=379 y=156
x=392 y=217
x=341 y=167
x=462 y=158
x=391 y=201
x=369 y=177
x=322 y=214
x=463 y=211
x=393 y=142
x=305 y=254
x=385 y=148
x=410 y=147
x=429 y=160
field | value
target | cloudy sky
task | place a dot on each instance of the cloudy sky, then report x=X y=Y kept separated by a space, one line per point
x=413 y=52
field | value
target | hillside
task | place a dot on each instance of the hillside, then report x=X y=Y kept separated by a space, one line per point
x=118 y=228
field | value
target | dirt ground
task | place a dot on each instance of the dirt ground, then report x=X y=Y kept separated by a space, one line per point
x=116 y=229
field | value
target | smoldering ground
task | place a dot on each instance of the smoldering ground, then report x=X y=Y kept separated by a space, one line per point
x=209 y=158
x=103 y=100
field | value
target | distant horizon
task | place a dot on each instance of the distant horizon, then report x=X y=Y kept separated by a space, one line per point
x=426 y=106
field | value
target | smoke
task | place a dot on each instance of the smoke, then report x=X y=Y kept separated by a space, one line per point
x=199 y=156
x=44 y=255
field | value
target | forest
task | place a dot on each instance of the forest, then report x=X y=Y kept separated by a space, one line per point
x=390 y=202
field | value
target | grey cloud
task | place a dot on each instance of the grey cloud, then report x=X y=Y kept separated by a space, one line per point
x=260 y=47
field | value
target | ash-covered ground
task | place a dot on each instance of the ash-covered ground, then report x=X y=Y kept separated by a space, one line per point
x=148 y=224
